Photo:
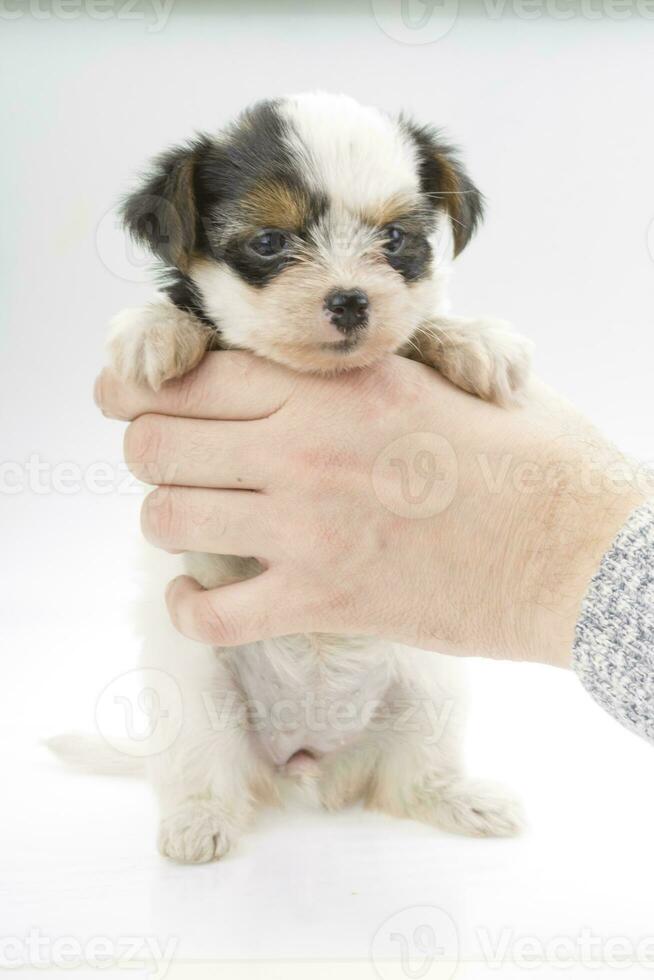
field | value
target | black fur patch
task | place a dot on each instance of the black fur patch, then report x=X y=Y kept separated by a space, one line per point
x=184 y=294
x=413 y=261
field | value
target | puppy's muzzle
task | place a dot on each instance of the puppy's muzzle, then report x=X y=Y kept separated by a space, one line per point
x=347 y=309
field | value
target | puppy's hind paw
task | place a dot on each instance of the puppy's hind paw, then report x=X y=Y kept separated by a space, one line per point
x=472 y=808
x=194 y=833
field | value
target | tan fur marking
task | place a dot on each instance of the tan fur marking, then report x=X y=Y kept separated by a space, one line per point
x=272 y=204
x=392 y=209
x=451 y=190
x=183 y=217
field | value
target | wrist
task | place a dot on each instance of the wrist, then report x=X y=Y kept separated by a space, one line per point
x=573 y=531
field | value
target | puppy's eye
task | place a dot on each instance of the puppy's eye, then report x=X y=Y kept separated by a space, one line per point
x=394 y=240
x=269 y=243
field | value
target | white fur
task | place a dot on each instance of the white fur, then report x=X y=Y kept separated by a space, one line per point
x=91 y=754
x=356 y=153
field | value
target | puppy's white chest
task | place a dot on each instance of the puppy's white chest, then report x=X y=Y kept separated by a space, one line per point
x=312 y=694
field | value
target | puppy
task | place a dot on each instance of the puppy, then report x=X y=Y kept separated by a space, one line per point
x=319 y=233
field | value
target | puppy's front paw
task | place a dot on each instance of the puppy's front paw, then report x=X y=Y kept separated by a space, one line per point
x=152 y=344
x=194 y=833
x=489 y=360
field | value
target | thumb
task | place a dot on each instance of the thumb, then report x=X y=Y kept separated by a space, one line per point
x=232 y=614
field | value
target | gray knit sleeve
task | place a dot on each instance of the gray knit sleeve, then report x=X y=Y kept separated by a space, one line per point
x=613 y=653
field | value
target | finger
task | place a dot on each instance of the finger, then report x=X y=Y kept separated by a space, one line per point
x=234 y=614
x=225 y=385
x=161 y=449
x=221 y=522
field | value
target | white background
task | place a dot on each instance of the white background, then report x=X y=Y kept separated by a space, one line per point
x=556 y=120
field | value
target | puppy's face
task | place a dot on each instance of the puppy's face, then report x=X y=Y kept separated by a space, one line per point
x=314 y=231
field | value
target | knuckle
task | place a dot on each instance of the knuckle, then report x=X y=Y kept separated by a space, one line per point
x=160 y=516
x=320 y=465
x=173 y=606
x=330 y=538
x=142 y=445
x=338 y=601
x=192 y=389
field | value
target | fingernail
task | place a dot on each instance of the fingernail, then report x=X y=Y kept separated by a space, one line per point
x=97 y=393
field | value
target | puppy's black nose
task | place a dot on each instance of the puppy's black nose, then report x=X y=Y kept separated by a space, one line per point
x=348 y=309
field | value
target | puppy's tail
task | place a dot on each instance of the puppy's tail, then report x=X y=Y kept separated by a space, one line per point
x=92 y=755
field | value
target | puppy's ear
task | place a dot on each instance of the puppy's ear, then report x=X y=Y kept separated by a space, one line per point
x=446 y=183
x=162 y=212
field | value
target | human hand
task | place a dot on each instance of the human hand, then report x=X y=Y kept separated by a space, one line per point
x=382 y=502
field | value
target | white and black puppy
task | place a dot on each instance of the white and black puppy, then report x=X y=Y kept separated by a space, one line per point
x=318 y=233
